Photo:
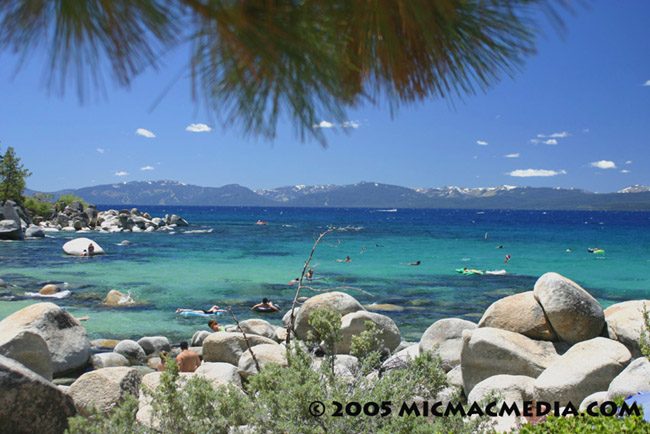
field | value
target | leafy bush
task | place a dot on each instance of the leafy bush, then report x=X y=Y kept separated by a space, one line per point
x=67 y=199
x=644 y=341
x=584 y=423
x=278 y=399
x=39 y=206
x=366 y=347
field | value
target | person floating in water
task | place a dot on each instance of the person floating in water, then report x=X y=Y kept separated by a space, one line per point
x=347 y=259
x=415 y=263
x=213 y=309
x=310 y=274
x=265 y=305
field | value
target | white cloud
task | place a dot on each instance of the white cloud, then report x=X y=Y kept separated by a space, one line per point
x=550 y=142
x=541 y=135
x=121 y=173
x=147 y=168
x=512 y=155
x=526 y=173
x=145 y=133
x=323 y=124
x=100 y=150
x=350 y=124
x=586 y=130
x=475 y=157
x=603 y=164
x=198 y=128
x=481 y=142
x=534 y=141
x=562 y=134
x=628 y=162
x=346 y=124
x=647 y=83
x=625 y=171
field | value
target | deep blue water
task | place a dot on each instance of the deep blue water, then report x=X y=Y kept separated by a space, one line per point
x=238 y=263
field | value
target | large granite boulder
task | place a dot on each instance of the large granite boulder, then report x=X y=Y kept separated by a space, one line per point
x=10 y=230
x=401 y=358
x=79 y=247
x=177 y=220
x=265 y=354
x=597 y=397
x=586 y=368
x=573 y=313
x=132 y=351
x=154 y=344
x=336 y=301
x=34 y=231
x=228 y=347
x=108 y=360
x=487 y=351
x=286 y=318
x=198 y=337
x=29 y=403
x=519 y=313
x=258 y=327
x=633 y=379
x=116 y=298
x=66 y=339
x=10 y=222
x=625 y=320
x=512 y=388
x=28 y=348
x=104 y=388
x=353 y=324
x=445 y=338
x=219 y=374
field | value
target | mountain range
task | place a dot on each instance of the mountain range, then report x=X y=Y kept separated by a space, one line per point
x=363 y=195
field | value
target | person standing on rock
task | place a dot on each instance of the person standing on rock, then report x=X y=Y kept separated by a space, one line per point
x=187 y=360
x=91 y=249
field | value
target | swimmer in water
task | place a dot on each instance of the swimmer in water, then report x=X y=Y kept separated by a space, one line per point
x=266 y=305
x=415 y=263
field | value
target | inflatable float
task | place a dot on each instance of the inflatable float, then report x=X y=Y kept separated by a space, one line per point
x=468 y=271
x=203 y=314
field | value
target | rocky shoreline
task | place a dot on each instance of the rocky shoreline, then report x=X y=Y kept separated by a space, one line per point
x=554 y=343
x=17 y=224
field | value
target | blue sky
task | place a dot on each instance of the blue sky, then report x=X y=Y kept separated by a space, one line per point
x=578 y=112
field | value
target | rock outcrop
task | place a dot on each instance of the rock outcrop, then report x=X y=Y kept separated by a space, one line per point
x=519 y=313
x=336 y=301
x=445 y=338
x=104 y=388
x=573 y=313
x=66 y=339
x=29 y=403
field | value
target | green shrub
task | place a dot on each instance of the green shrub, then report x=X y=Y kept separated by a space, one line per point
x=644 y=341
x=38 y=206
x=277 y=400
x=584 y=423
x=367 y=348
x=67 y=199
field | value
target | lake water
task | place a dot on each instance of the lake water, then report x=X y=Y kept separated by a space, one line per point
x=238 y=262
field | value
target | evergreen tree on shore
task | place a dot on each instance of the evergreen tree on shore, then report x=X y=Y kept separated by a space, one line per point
x=12 y=177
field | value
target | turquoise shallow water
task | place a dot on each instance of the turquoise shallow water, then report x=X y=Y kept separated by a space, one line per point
x=238 y=263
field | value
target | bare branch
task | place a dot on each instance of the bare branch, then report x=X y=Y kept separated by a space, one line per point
x=250 y=349
x=292 y=317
